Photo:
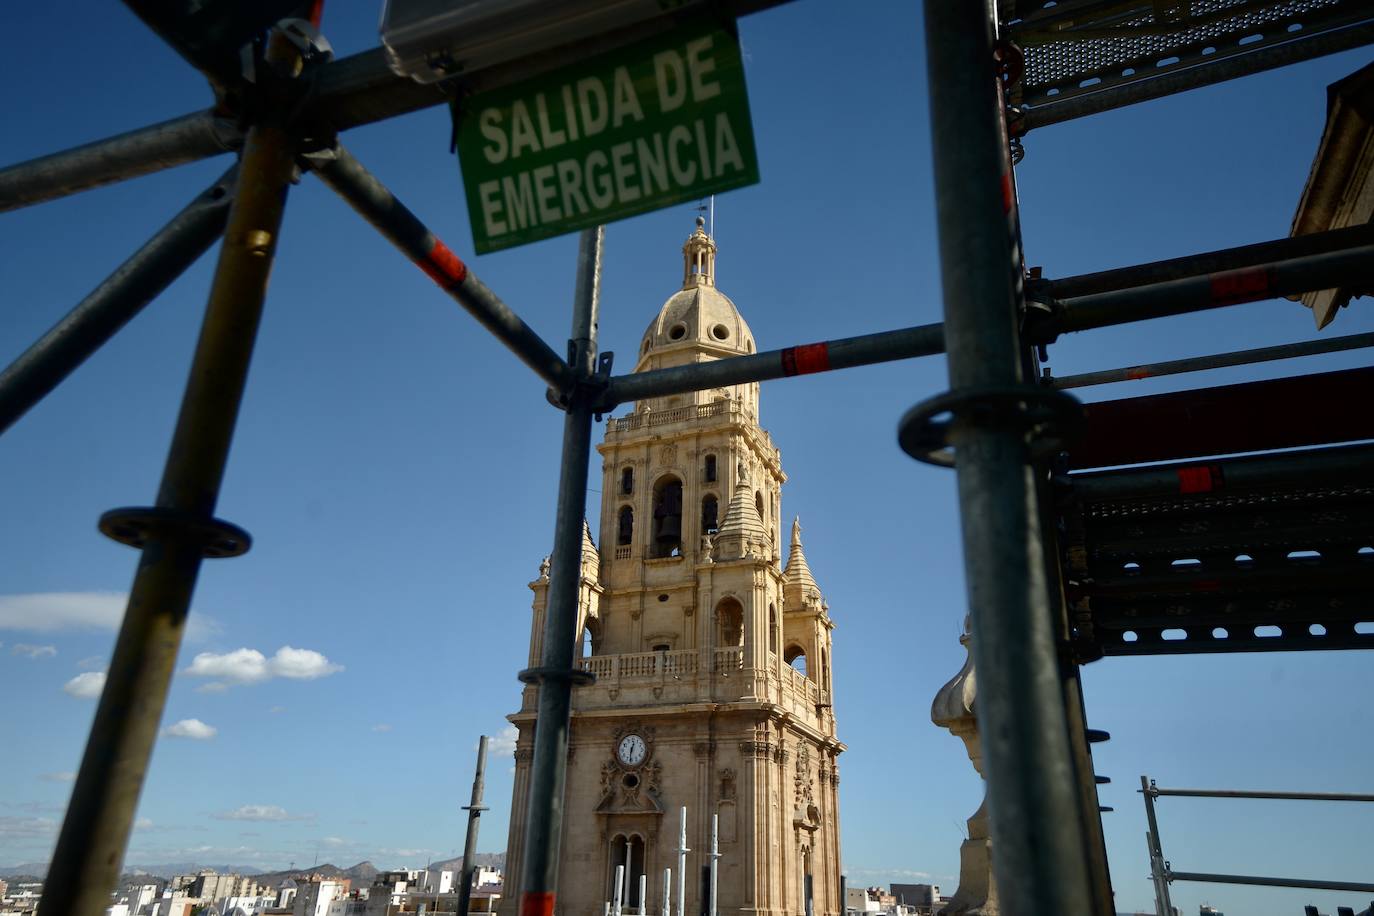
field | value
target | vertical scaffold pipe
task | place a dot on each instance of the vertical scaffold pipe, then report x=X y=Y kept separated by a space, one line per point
x=682 y=851
x=715 y=858
x=176 y=535
x=474 y=810
x=1038 y=848
x=556 y=674
x=617 y=894
x=643 y=895
x=1163 y=904
x=667 y=891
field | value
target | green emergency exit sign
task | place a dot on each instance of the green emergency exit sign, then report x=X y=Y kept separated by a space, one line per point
x=653 y=124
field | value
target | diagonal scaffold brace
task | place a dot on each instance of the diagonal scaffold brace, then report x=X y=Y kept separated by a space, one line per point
x=338 y=169
x=115 y=302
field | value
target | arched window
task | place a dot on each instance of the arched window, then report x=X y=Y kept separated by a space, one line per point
x=627 y=480
x=796 y=657
x=772 y=629
x=709 y=510
x=591 y=637
x=710 y=468
x=758 y=503
x=667 y=518
x=627 y=852
x=825 y=669
x=730 y=620
x=625 y=527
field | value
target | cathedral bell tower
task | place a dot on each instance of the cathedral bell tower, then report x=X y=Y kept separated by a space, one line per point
x=712 y=661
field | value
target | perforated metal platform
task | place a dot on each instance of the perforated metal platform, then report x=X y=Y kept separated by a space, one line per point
x=1271 y=552
x=1092 y=55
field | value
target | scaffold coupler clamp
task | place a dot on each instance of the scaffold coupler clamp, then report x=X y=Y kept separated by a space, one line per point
x=1040 y=314
x=136 y=526
x=593 y=388
x=1048 y=420
x=577 y=677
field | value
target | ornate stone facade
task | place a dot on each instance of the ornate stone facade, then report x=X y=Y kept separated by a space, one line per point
x=712 y=660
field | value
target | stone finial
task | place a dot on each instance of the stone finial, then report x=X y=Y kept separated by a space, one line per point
x=741 y=533
x=591 y=557
x=798 y=571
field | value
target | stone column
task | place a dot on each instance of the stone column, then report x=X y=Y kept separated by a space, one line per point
x=953 y=709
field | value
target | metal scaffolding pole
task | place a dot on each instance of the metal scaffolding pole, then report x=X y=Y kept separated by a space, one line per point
x=112 y=304
x=1242 y=793
x=1209 y=262
x=924 y=340
x=364 y=193
x=556 y=674
x=1158 y=867
x=682 y=851
x=1218 y=361
x=138 y=152
x=1188 y=294
x=174 y=536
x=474 y=810
x=1038 y=845
x=1314 y=883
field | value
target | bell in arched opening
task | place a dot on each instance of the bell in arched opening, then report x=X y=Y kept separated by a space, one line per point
x=667 y=517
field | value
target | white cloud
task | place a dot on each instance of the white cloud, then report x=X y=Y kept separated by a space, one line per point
x=49 y=612
x=85 y=686
x=502 y=744
x=336 y=842
x=23 y=648
x=381 y=727
x=58 y=777
x=26 y=828
x=190 y=728
x=91 y=662
x=143 y=823
x=213 y=687
x=249 y=666
x=261 y=813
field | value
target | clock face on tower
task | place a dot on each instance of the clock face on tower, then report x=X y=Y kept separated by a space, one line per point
x=631 y=750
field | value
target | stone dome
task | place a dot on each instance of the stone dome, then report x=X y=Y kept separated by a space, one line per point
x=698 y=315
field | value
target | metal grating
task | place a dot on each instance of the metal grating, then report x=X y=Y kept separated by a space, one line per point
x=1251 y=554
x=1082 y=49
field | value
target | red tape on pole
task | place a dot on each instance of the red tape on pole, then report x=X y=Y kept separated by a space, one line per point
x=806 y=359
x=535 y=903
x=1236 y=286
x=443 y=266
x=1199 y=479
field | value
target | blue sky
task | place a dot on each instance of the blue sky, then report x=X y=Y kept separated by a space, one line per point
x=397 y=467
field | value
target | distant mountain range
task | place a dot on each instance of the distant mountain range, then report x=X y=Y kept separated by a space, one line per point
x=361 y=874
